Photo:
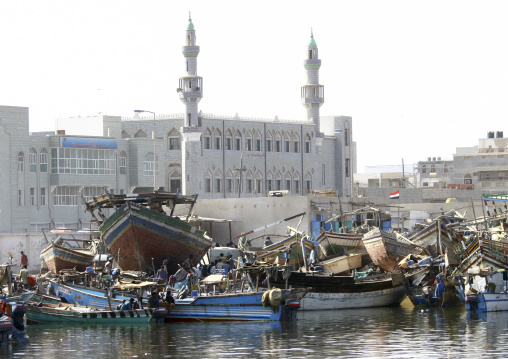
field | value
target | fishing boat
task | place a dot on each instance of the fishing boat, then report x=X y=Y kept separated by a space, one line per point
x=484 y=290
x=58 y=257
x=140 y=235
x=386 y=249
x=75 y=314
x=94 y=297
x=327 y=291
x=234 y=307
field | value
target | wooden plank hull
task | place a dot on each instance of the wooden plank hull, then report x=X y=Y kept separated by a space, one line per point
x=344 y=292
x=59 y=315
x=58 y=257
x=225 y=307
x=140 y=239
x=231 y=307
x=349 y=240
x=342 y=263
x=385 y=251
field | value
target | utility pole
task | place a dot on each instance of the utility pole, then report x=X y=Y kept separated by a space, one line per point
x=240 y=171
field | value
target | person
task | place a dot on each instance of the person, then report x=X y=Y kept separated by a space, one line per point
x=187 y=264
x=162 y=275
x=287 y=255
x=165 y=265
x=23 y=276
x=226 y=267
x=440 y=288
x=24 y=259
x=222 y=258
x=134 y=304
x=219 y=265
x=127 y=305
x=153 y=301
x=213 y=267
x=268 y=241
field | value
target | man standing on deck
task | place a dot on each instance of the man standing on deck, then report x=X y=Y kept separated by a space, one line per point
x=24 y=259
x=23 y=277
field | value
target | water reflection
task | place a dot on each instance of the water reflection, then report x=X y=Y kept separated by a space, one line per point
x=395 y=332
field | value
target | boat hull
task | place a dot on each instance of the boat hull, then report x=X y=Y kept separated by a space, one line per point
x=375 y=298
x=226 y=307
x=231 y=307
x=385 y=251
x=487 y=302
x=54 y=315
x=140 y=239
x=58 y=257
x=344 y=292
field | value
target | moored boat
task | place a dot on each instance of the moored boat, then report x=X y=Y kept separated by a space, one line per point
x=140 y=233
x=73 y=314
x=386 y=250
x=327 y=291
x=58 y=257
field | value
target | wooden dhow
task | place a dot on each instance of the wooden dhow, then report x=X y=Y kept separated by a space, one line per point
x=140 y=234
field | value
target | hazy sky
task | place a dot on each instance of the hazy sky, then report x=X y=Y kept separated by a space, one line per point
x=418 y=78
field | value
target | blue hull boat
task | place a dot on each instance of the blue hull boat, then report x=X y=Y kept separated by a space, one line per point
x=222 y=307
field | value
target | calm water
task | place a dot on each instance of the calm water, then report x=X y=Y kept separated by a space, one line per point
x=398 y=332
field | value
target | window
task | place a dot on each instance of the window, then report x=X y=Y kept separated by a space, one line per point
x=323 y=174
x=278 y=184
x=307 y=187
x=42 y=197
x=268 y=145
x=217 y=185
x=83 y=161
x=347 y=167
x=259 y=187
x=122 y=162
x=249 y=185
x=208 y=142
x=238 y=141
x=208 y=185
x=229 y=185
x=43 y=160
x=297 y=186
x=32 y=160
x=288 y=185
x=21 y=198
x=65 y=196
x=248 y=146
x=296 y=146
x=21 y=162
x=424 y=169
x=174 y=185
x=287 y=143
x=217 y=139
x=268 y=185
x=307 y=144
x=32 y=197
x=174 y=143
x=228 y=143
x=148 y=165
x=278 y=147
x=258 y=144
x=140 y=134
x=175 y=181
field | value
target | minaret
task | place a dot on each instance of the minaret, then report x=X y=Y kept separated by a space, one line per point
x=191 y=85
x=191 y=92
x=313 y=94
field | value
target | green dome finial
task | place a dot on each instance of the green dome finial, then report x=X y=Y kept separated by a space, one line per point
x=190 y=26
x=312 y=42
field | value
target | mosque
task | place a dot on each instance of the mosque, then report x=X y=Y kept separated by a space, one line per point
x=47 y=176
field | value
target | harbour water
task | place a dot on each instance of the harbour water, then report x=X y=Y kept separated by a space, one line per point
x=392 y=332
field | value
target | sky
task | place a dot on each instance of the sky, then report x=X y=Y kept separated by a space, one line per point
x=419 y=78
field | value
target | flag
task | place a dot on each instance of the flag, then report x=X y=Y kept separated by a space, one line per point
x=394 y=195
